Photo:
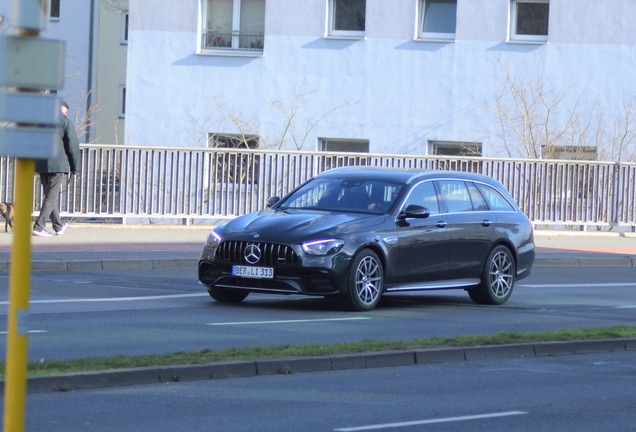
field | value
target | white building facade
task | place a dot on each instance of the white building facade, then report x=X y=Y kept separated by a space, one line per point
x=379 y=76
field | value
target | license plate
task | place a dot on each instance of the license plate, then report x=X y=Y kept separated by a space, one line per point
x=253 y=272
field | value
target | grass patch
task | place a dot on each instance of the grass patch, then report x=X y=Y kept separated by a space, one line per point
x=49 y=367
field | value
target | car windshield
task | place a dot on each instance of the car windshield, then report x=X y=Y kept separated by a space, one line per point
x=345 y=195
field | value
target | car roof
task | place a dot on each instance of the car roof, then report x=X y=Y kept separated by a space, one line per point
x=402 y=175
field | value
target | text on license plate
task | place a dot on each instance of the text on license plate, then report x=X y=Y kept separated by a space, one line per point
x=253 y=272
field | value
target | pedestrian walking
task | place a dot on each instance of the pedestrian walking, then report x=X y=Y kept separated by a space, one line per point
x=53 y=173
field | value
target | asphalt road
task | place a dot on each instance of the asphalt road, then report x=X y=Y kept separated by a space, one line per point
x=593 y=392
x=76 y=315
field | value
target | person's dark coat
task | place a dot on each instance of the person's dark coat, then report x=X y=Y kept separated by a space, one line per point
x=68 y=151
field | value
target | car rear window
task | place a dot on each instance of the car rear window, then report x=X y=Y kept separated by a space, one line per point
x=495 y=199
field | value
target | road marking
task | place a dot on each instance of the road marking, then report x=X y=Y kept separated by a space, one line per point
x=431 y=421
x=30 y=331
x=618 y=284
x=115 y=299
x=286 y=321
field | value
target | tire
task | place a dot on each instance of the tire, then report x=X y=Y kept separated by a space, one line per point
x=366 y=279
x=223 y=295
x=497 y=279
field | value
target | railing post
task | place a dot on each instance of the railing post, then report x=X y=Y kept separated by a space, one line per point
x=616 y=201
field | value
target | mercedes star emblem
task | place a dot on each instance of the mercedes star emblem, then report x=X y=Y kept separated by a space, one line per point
x=252 y=253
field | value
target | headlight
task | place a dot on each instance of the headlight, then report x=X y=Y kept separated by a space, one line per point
x=323 y=247
x=213 y=239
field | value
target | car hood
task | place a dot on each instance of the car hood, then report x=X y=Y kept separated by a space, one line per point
x=295 y=226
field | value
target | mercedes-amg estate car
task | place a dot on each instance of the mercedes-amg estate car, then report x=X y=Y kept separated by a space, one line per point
x=356 y=233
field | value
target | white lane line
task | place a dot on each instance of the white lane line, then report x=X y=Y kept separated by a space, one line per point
x=286 y=321
x=30 y=331
x=432 y=421
x=114 y=299
x=618 y=284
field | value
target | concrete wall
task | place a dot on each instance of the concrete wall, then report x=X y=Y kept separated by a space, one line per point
x=392 y=90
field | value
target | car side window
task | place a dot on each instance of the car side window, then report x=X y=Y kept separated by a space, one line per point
x=456 y=196
x=479 y=203
x=425 y=195
x=496 y=201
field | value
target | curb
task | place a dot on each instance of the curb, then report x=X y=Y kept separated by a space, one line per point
x=107 y=264
x=586 y=262
x=286 y=366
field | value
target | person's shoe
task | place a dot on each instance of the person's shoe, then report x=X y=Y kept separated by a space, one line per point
x=61 y=231
x=42 y=233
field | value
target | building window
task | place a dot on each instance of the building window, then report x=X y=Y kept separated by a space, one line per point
x=438 y=19
x=233 y=25
x=221 y=140
x=122 y=101
x=588 y=153
x=237 y=167
x=55 y=10
x=347 y=146
x=452 y=148
x=124 y=28
x=347 y=18
x=529 y=20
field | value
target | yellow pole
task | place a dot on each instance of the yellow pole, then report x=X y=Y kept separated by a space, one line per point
x=19 y=287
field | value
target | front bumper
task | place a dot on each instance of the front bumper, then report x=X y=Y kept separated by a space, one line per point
x=318 y=276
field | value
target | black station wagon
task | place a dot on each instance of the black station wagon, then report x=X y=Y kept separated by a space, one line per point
x=356 y=233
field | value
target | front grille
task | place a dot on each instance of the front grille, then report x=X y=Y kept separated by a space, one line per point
x=272 y=254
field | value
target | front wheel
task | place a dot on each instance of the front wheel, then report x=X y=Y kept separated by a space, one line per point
x=366 y=279
x=222 y=295
x=497 y=279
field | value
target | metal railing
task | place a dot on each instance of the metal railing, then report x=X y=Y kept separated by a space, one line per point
x=200 y=184
x=232 y=40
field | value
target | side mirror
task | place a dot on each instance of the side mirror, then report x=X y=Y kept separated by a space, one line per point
x=272 y=200
x=414 y=212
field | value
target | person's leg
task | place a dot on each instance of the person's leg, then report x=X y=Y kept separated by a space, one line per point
x=40 y=222
x=51 y=184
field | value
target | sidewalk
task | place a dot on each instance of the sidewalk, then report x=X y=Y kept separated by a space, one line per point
x=91 y=247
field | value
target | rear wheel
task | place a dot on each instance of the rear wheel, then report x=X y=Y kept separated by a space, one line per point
x=223 y=295
x=497 y=279
x=366 y=279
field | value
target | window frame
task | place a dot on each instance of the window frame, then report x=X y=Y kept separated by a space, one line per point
x=324 y=144
x=233 y=141
x=236 y=24
x=432 y=36
x=465 y=148
x=59 y=10
x=342 y=34
x=124 y=27
x=513 y=37
x=121 y=105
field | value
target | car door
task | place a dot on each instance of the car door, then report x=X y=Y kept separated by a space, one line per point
x=473 y=227
x=423 y=243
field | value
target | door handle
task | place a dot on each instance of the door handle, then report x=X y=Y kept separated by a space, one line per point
x=486 y=223
x=441 y=224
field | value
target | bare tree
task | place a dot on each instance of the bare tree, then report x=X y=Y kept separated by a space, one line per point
x=538 y=120
x=299 y=129
x=85 y=119
x=619 y=142
x=530 y=114
x=241 y=128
